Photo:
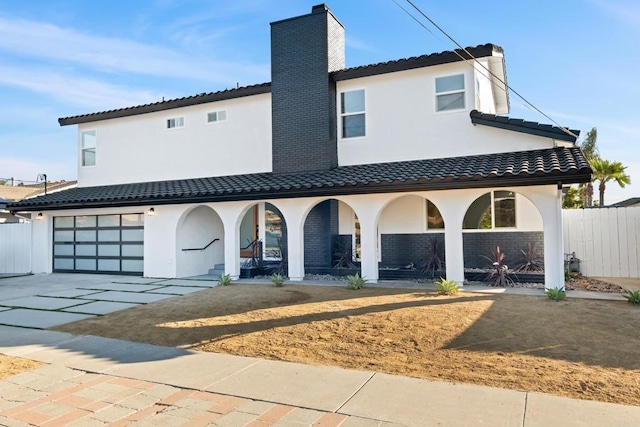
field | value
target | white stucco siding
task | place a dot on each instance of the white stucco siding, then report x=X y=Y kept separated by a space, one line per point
x=346 y=219
x=405 y=215
x=528 y=216
x=484 y=100
x=141 y=148
x=402 y=122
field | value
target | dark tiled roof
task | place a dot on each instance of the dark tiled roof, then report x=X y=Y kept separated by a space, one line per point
x=187 y=101
x=349 y=73
x=539 y=167
x=634 y=201
x=416 y=62
x=519 y=125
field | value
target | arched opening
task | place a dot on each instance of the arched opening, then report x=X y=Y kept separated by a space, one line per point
x=507 y=220
x=411 y=239
x=331 y=239
x=200 y=243
x=263 y=241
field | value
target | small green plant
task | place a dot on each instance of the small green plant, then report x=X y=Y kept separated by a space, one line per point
x=355 y=281
x=224 y=280
x=556 y=294
x=277 y=280
x=446 y=287
x=567 y=273
x=633 y=297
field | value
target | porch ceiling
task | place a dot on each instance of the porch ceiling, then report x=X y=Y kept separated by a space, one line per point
x=539 y=167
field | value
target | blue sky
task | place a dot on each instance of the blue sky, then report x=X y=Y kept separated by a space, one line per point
x=577 y=60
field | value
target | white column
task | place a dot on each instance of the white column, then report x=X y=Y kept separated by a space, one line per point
x=294 y=212
x=41 y=236
x=369 y=248
x=553 y=245
x=231 y=214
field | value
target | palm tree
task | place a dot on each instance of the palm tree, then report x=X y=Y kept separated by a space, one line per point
x=605 y=171
x=590 y=151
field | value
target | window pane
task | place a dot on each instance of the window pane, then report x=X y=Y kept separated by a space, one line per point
x=133 y=250
x=63 y=249
x=109 y=264
x=89 y=139
x=109 y=235
x=450 y=83
x=85 y=264
x=452 y=101
x=89 y=157
x=86 y=250
x=109 y=221
x=63 y=236
x=63 y=222
x=85 y=221
x=108 y=250
x=476 y=216
x=505 y=209
x=86 y=236
x=63 y=264
x=212 y=117
x=222 y=115
x=352 y=102
x=132 y=265
x=133 y=235
x=434 y=219
x=353 y=126
x=132 y=220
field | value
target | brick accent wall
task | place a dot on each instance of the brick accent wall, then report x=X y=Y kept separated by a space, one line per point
x=320 y=231
x=478 y=244
x=399 y=250
x=303 y=99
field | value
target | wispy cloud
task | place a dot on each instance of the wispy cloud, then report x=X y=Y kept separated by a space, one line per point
x=72 y=89
x=359 y=45
x=44 y=41
x=625 y=11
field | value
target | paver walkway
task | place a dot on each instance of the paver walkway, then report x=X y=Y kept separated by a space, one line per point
x=100 y=381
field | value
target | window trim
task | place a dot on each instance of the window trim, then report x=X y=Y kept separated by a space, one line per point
x=226 y=116
x=450 y=92
x=168 y=126
x=355 y=113
x=82 y=149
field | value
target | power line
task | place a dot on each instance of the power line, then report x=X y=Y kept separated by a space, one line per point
x=527 y=102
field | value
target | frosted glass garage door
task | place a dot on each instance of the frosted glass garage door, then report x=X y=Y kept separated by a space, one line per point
x=99 y=244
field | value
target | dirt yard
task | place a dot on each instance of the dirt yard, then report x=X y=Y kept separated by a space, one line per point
x=583 y=349
x=14 y=365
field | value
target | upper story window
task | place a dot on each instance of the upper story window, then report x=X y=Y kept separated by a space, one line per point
x=217 y=116
x=352 y=113
x=175 y=122
x=496 y=209
x=450 y=93
x=89 y=144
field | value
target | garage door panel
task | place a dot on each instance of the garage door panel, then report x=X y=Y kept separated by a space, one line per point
x=99 y=243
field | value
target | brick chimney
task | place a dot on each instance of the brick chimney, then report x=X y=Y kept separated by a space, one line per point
x=304 y=50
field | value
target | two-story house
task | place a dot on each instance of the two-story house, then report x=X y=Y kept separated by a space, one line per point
x=388 y=157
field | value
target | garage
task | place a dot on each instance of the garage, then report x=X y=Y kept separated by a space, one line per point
x=111 y=244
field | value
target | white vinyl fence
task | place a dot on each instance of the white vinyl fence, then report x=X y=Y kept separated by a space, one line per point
x=606 y=240
x=15 y=248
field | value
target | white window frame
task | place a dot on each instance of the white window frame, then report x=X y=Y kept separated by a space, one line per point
x=450 y=92
x=82 y=147
x=493 y=215
x=217 y=113
x=352 y=113
x=178 y=122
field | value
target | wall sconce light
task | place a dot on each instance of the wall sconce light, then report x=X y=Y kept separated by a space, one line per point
x=151 y=212
x=39 y=216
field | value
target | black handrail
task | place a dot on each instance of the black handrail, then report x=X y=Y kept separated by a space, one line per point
x=250 y=244
x=202 y=249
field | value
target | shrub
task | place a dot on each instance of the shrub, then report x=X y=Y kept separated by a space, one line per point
x=432 y=263
x=531 y=261
x=556 y=294
x=499 y=274
x=633 y=297
x=447 y=287
x=343 y=255
x=224 y=280
x=277 y=280
x=355 y=281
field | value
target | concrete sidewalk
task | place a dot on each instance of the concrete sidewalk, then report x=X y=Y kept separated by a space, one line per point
x=99 y=381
